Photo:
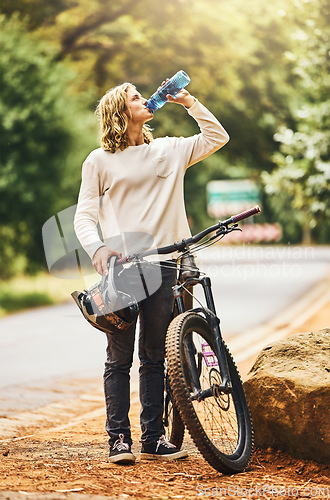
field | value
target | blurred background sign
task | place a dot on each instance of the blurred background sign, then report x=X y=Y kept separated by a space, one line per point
x=231 y=197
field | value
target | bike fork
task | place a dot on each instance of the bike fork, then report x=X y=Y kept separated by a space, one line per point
x=218 y=344
x=190 y=350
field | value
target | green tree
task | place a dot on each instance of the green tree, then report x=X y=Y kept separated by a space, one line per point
x=247 y=62
x=301 y=181
x=36 y=134
x=36 y=12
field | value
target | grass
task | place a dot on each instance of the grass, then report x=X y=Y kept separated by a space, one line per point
x=25 y=292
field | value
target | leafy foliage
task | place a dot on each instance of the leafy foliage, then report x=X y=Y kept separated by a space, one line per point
x=303 y=163
x=261 y=67
x=35 y=138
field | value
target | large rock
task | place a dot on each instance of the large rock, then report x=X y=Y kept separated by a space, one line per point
x=288 y=389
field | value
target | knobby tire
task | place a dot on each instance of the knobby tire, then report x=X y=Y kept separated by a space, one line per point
x=175 y=429
x=224 y=447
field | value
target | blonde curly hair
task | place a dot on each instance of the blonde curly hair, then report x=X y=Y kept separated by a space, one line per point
x=113 y=119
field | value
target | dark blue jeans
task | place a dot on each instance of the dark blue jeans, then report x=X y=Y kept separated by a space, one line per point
x=155 y=316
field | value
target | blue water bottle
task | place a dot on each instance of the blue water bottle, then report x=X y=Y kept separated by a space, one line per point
x=172 y=87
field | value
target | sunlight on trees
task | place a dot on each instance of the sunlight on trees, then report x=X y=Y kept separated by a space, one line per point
x=37 y=131
x=261 y=67
x=303 y=162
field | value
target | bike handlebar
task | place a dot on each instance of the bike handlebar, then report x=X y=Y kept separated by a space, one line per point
x=182 y=245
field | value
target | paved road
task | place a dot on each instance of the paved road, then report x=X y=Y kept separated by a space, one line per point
x=250 y=284
x=253 y=284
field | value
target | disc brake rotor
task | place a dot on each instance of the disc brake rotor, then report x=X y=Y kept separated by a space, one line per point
x=222 y=399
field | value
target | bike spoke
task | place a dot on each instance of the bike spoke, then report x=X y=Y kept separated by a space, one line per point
x=220 y=425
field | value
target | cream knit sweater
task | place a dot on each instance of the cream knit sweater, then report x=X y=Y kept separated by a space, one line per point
x=136 y=195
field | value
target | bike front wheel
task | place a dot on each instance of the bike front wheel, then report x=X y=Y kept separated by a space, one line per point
x=220 y=424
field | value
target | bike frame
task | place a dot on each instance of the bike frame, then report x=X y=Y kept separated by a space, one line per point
x=220 y=229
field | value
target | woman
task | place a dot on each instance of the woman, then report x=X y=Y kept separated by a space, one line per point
x=134 y=184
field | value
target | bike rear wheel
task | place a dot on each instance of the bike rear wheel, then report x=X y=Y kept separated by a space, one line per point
x=220 y=425
x=173 y=425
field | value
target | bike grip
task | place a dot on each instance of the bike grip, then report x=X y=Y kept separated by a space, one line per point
x=122 y=260
x=248 y=213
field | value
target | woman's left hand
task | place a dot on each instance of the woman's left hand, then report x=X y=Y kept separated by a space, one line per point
x=183 y=97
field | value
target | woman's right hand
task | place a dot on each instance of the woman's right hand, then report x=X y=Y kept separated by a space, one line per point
x=101 y=257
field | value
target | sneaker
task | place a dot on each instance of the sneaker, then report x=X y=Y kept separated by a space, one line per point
x=120 y=452
x=161 y=450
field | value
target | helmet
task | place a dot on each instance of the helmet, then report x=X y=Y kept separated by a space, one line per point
x=109 y=305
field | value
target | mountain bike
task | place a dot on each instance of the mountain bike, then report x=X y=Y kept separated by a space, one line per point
x=203 y=389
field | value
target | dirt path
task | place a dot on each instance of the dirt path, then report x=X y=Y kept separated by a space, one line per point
x=61 y=452
x=75 y=457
